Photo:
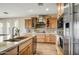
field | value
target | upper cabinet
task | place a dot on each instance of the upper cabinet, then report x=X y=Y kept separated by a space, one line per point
x=28 y=23
x=46 y=22
x=51 y=22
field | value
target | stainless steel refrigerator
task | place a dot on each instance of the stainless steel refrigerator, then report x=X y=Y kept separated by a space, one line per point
x=71 y=29
x=68 y=29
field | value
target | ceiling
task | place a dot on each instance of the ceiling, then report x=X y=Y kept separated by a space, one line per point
x=26 y=9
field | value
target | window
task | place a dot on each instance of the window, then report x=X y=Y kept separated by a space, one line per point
x=8 y=30
x=1 y=32
x=16 y=23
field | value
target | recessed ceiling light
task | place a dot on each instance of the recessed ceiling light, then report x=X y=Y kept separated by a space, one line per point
x=5 y=12
x=47 y=9
x=31 y=10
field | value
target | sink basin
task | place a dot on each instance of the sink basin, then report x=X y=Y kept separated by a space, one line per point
x=16 y=39
x=20 y=37
x=2 y=44
x=13 y=40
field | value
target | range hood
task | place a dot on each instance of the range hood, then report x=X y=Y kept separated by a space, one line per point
x=40 y=22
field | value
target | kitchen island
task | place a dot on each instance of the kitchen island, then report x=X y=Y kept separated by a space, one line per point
x=25 y=46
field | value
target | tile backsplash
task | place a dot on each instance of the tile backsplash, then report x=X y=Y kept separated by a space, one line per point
x=41 y=30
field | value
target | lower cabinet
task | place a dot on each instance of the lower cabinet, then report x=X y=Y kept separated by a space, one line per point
x=25 y=48
x=47 y=38
x=24 y=51
x=40 y=37
x=30 y=49
x=12 y=51
x=34 y=45
x=50 y=38
x=53 y=39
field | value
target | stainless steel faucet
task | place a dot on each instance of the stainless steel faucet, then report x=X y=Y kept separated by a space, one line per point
x=14 y=32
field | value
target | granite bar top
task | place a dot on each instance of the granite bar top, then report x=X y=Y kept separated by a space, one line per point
x=6 y=45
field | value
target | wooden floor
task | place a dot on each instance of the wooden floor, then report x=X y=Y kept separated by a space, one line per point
x=46 y=49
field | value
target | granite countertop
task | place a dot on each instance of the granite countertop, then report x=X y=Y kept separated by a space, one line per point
x=5 y=46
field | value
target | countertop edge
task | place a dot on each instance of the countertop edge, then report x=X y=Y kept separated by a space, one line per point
x=20 y=42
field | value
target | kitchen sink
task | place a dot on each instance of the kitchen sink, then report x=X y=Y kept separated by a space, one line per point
x=20 y=37
x=2 y=44
x=16 y=39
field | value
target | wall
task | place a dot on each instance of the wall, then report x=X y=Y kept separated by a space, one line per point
x=18 y=22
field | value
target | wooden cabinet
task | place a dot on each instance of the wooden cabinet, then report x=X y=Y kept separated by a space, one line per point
x=23 y=45
x=40 y=37
x=26 y=48
x=30 y=49
x=13 y=51
x=52 y=38
x=51 y=22
x=48 y=38
x=34 y=44
x=34 y=22
x=28 y=23
x=24 y=51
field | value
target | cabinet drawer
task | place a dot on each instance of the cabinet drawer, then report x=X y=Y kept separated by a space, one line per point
x=23 y=45
x=30 y=49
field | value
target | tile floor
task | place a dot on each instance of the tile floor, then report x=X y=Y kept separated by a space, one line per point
x=46 y=49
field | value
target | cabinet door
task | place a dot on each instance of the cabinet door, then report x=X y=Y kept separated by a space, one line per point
x=23 y=45
x=46 y=39
x=27 y=50
x=30 y=23
x=30 y=49
x=26 y=23
x=24 y=51
x=12 y=52
x=52 y=38
x=41 y=38
x=34 y=45
x=53 y=22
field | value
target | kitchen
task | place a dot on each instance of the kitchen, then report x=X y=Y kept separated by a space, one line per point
x=24 y=31
x=38 y=29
